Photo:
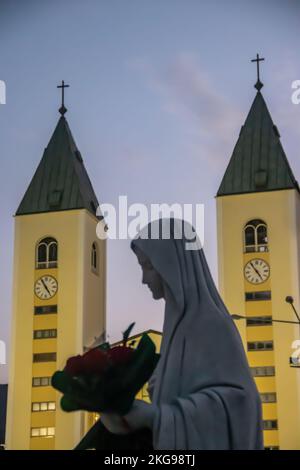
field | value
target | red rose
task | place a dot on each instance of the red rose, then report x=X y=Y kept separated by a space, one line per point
x=74 y=366
x=120 y=355
x=95 y=361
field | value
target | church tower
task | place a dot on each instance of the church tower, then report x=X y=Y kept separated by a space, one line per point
x=258 y=228
x=59 y=290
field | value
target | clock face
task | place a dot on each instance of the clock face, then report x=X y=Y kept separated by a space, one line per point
x=257 y=271
x=45 y=287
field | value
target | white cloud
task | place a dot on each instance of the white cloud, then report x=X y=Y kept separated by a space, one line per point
x=205 y=115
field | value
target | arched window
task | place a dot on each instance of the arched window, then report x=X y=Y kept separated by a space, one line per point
x=46 y=253
x=94 y=257
x=255 y=236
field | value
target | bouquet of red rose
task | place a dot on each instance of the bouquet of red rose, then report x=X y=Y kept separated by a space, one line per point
x=106 y=379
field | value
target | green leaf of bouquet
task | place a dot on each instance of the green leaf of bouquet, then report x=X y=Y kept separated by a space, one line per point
x=61 y=381
x=127 y=332
x=69 y=404
x=143 y=365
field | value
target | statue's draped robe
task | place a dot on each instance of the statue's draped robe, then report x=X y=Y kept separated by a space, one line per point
x=206 y=396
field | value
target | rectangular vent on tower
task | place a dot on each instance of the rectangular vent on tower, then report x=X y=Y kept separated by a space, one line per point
x=55 y=197
x=44 y=357
x=260 y=179
x=258 y=295
x=45 y=309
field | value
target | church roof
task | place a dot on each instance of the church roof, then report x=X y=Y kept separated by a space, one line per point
x=61 y=181
x=258 y=162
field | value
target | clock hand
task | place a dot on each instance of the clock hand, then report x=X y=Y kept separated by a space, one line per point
x=45 y=285
x=257 y=272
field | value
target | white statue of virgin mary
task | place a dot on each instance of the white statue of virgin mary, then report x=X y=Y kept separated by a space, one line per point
x=202 y=391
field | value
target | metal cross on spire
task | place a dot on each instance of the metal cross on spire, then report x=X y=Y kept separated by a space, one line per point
x=258 y=85
x=62 y=109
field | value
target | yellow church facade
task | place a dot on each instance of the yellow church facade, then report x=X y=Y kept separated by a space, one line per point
x=258 y=231
x=59 y=294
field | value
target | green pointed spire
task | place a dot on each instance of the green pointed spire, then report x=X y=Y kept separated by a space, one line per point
x=258 y=162
x=61 y=181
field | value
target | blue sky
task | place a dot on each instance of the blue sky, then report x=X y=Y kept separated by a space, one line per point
x=159 y=91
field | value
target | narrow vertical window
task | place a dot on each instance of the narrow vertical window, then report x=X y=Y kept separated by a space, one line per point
x=94 y=258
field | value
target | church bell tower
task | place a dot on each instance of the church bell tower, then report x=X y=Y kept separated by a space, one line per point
x=59 y=292
x=258 y=224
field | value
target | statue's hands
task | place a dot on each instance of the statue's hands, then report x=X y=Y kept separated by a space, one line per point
x=114 y=423
x=141 y=415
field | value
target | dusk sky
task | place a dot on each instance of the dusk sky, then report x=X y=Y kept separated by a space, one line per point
x=158 y=92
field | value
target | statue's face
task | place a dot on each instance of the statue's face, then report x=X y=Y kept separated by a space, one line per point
x=150 y=276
